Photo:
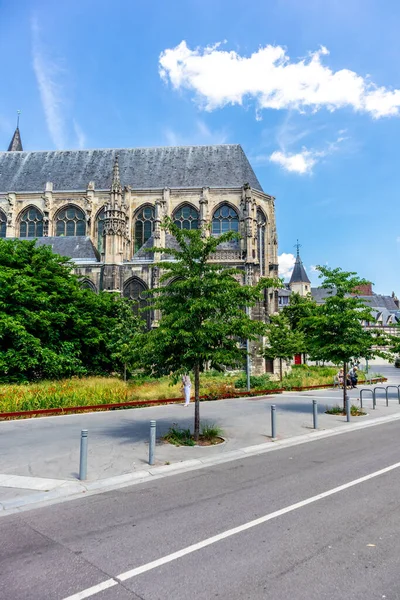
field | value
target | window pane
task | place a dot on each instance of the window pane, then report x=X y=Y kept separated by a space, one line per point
x=39 y=229
x=80 y=228
x=70 y=213
x=186 y=212
x=185 y=225
x=22 y=229
x=60 y=228
x=147 y=230
x=216 y=227
x=70 y=228
x=195 y=224
x=225 y=211
x=234 y=225
x=31 y=229
x=225 y=226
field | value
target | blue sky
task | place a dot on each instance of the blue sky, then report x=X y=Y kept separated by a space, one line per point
x=307 y=87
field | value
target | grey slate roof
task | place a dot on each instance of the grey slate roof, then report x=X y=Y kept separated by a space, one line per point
x=140 y=168
x=319 y=294
x=78 y=249
x=379 y=301
x=15 y=144
x=299 y=273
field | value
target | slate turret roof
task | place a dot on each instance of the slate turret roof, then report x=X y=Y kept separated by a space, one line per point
x=15 y=144
x=224 y=166
x=299 y=274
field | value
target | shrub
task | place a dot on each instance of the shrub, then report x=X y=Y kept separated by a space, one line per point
x=258 y=382
x=178 y=436
x=210 y=431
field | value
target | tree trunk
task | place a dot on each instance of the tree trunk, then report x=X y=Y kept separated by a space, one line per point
x=196 y=402
x=344 y=385
x=280 y=368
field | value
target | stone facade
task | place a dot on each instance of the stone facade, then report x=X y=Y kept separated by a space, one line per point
x=123 y=220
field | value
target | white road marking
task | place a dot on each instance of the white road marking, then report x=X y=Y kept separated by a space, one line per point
x=100 y=587
x=226 y=534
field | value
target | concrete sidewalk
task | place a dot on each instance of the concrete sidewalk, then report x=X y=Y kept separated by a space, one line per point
x=40 y=457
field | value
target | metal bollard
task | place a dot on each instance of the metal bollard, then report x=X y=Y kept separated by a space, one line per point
x=83 y=455
x=273 y=421
x=152 y=445
x=347 y=408
x=315 y=414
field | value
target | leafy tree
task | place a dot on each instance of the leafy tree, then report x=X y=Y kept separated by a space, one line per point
x=122 y=337
x=298 y=309
x=202 y=311
x=49 y=326
x=334 y=331
x=283 y=341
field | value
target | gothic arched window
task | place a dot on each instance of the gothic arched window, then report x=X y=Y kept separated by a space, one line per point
x=70 y=221
x=86 y=284
x=144 y=226
x=31 y=223
x=225 y=219
x=134 y=289
x=3 y=224
x=187 y=217
x=100 y=230
x=261 y=233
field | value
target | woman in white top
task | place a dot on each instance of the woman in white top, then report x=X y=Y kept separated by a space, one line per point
x=186 y=385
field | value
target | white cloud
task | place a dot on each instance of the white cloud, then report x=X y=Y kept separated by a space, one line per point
x=48 y=74
x=220 y=77
x=286 y=263
x=301 y=162
x=80 y=136
x=201 y=134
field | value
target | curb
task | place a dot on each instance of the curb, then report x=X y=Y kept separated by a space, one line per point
x=71 y=490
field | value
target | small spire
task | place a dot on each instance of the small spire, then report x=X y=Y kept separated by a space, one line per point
x=16 y=144
x=116 y=182
x=299 y=274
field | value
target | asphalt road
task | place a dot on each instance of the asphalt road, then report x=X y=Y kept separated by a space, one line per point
x=296 y=544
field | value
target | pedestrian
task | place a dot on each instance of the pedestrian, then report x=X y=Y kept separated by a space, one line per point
x=340 y=377
x=186 y=388
x=353 y=377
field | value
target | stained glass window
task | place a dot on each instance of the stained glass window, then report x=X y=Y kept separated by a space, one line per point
x=100 y=230
x=70 y=221
x=187 y=217
x=134 y=290
x=261 y=227
x=225 y=219
x=31 y=223
x=144 y=226
x=3 y=224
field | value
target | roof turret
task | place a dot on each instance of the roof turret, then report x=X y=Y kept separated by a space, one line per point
x=299 y=274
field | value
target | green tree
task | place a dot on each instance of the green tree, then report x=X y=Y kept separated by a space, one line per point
x=283 y=341
x=123 y=337
x=202 y=311
x=298 y=309
x=49 y=326
x=334 y=332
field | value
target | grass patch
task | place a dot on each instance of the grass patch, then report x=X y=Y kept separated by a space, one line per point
x=210 y=435
x=355 y=411
x=210 y=431
x=179 y=437
x=88 y=391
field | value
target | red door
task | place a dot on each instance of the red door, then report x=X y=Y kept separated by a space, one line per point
x=297 y=359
